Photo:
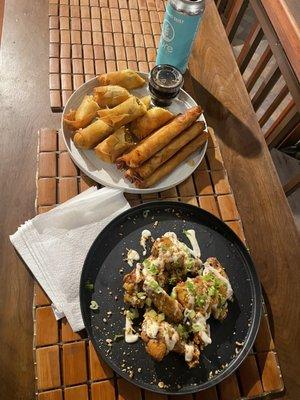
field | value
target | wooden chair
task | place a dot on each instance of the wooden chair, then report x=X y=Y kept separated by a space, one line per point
x=280 y=119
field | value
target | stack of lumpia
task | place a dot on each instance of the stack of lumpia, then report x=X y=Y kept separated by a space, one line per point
x=160 y=153
x=148 y=142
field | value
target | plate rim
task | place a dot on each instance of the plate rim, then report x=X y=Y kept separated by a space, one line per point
x=133 y=190
x=257 y=301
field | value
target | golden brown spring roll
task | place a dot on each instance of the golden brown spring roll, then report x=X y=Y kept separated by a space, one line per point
x=127 y=78
x=159 y=139
x=93 y=134
x=147 y=101
x=149 y=122
x=124 y=113
x=148 y=167
x=173 y=162
x=110 y=96
x=84 y=114
x=115 y=145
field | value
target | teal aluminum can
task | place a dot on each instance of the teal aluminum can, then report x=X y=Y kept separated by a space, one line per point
x=181 y=23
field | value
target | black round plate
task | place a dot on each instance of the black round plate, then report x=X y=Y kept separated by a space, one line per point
x=104 y=267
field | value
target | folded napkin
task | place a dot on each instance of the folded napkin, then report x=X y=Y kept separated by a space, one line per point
x=54 y=245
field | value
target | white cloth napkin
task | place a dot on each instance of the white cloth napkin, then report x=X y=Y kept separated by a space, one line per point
x=54 y=245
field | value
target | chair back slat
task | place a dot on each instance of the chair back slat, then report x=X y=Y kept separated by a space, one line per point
x=292 y=137
x=235 y=15
x=263 y=78
x=274 y=105
x=266 y=87
x=258 y=69
x=284 y=124
x=250 y=45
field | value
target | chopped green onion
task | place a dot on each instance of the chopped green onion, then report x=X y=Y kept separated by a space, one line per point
x=132 y=313
x=155 y=286
x=161 y=317
x=197 y=328
x=141 y=295
x=146 y=213
x=94 y=305
x=148 y=302
x=89 y=285
x=190 y=286
x=118 y=337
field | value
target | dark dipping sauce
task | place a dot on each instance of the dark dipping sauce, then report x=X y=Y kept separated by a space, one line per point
x=165 y=82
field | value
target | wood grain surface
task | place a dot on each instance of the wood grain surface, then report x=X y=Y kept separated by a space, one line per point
x=268 y=223
x=25 y=108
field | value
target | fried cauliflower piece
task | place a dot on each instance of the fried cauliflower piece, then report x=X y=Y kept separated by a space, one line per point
x=220 y=289
x=171 y=260
x=162 y=337
x=133 y=286
x=192 y=294
x=162 y=301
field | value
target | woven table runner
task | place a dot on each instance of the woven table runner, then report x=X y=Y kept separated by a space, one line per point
x=89 y=37
x=66 y=365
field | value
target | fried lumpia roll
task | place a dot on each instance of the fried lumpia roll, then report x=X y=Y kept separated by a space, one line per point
x=93 y=134
x=148 y=167
x=127 y=78
x=84 y=114
x=115 y=145
x=149 y=122
x=110 y=96
x=147 y=101
x=159 y=139
x=173 y=162
x=124 y=113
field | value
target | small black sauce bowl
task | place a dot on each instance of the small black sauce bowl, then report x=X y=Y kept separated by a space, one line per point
x=165 y=82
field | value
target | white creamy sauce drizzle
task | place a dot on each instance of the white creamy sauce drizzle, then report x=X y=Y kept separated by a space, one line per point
x=172 y=339
x=190 y=233
x=138 y=272
x=132 y=256
x=151 y=328
x=188 y=352
x=130 y=337
x=208 y=268
x=171 y=235
x=146 y=234
x=205 y=335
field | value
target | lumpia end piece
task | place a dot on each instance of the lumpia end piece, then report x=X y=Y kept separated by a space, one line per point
x=93 y=134
x=84 y=114
x=162 y=301
x=152 y=120
x=172 y=163
x=110 y=96
x=115 y=145
x=148 y=167
x=126 y=78
x=159 y=139
x=147 y=101
x=124 y=113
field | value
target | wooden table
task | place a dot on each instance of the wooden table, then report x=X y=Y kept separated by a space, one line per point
x=217 y=84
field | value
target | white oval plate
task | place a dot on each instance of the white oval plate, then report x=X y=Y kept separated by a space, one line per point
x=107 y=174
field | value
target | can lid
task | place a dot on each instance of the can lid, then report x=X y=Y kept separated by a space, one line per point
x=166 y=78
